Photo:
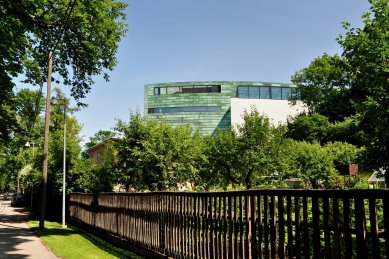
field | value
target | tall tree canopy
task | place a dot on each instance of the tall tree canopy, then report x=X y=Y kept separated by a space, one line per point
x=324 y=82
x=358 y=81
x=83 y=36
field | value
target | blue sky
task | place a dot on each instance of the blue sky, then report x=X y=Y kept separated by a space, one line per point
x=198 y=40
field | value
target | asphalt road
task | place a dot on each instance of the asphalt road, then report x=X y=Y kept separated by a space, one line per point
x=16 y=239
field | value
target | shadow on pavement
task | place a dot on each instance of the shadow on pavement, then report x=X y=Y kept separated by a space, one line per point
x=16 y=239
x=11 y=233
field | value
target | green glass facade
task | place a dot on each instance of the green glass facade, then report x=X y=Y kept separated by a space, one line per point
x=205 y=105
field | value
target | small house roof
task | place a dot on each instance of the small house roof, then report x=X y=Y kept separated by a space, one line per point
x=377 y=176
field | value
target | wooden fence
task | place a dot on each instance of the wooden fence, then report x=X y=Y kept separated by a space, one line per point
x=244 y=224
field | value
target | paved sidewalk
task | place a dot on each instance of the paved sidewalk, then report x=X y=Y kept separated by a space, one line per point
x=16 y=239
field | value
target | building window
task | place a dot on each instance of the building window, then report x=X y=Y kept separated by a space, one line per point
x=173 y=90
x=200 y=89
x=286 y=93
x=243 y=91
x=264 y=92
x=276 y=93
x=190 y=89
x=267 y=92
x=216 y=89
x=254 y=92
x=185 y=109
x=159 y=90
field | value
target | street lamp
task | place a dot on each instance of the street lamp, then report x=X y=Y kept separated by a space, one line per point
x=54 y=101
x=28 y=144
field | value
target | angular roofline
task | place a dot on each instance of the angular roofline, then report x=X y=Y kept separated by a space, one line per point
x=103 y=143
x=257 y=83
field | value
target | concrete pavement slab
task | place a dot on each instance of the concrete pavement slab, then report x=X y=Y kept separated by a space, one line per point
x=16 y=239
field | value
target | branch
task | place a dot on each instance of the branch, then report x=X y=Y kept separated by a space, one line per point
x=247 y=179
x=46 y=26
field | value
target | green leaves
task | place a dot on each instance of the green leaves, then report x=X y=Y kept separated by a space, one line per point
x=325 y=82
x=155 y=156
x=246 y=156
x=355 y=86
x=84 y=36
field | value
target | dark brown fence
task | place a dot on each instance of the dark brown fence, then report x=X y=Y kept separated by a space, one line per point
x=244 y=224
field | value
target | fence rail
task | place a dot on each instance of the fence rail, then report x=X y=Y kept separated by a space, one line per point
x=244 y=224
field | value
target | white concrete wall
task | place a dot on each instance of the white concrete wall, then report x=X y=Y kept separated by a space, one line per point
x=278 y=111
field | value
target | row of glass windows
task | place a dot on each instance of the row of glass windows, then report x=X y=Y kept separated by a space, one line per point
x=267 y=92
x=185 y=109
x=187 y=89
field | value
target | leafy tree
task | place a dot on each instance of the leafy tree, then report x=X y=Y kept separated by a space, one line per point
x=12 y=160
x=346 y=131
x=308 y=161
x=360 y=76
x=155 y=156
x=93 y=178
x=259 y=146
x=129 y=168
x=222 y=152
x=367 y=51
x=56 y=147
x=83 y=36
x=344 y=153
x=245 y=156
x=313 y=127
x=73 y=140
x=7 y=112
x=173 y=155
x=317 y=127
x=12 y=47
x=324 y=82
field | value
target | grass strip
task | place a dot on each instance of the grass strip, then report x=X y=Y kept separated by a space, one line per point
x=69 y=243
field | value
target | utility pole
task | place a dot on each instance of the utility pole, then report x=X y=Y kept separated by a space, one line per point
x=46 y=143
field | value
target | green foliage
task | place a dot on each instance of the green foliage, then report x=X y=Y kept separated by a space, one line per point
x=323 y=83
x=155 y=156
x=56 y=144
x=313 y=127
x=343 y=153
x=129 y=168
x=247 y=156
x=259 y=146
x=91 y=178
x=84 y=36
x=367 y=51
x=317 y=127
x=310 y=162
x=152 y=155
x=8 y=120
x=357 y=82
x=13 y=153
x=221 y=169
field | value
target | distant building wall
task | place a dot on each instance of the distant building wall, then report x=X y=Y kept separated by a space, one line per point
x=205 y=105
x=278 y=111
x=211 y=105
x=102 y=152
